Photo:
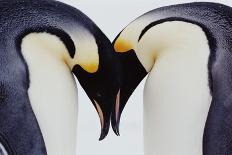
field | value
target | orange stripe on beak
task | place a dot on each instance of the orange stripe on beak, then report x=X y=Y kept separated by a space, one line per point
x=100 y=113
x=117 y=106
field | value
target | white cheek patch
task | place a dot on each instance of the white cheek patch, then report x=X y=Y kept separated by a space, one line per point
x=52 y=91
x=3 y=150
x=53 y=45
x=176 y=95
x=169 y=36
x=86 y=50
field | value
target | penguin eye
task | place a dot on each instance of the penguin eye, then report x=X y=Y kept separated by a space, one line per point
x=98 y=94
x=3 y=150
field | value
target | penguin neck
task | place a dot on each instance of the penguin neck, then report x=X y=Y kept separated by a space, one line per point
x=176 y=95
x=52 y=92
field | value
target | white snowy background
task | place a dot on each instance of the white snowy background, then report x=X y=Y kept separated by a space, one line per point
x=112 y=16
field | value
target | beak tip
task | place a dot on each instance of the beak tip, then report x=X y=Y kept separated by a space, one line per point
x=102 y=136
x=117 y=133
x=116 y=129
x=104 y=133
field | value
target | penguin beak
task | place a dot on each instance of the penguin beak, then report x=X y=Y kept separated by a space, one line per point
x=132 y=73
x=102 y=86
x=104 y=115
x=102 y=93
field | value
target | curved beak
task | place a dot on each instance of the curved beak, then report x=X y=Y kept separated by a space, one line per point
x=116 y=114
x=104 y=106
x=132 y=73
x=104 y=116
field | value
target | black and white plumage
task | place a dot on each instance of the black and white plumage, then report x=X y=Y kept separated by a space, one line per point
x=42 y=42
x=187 y=97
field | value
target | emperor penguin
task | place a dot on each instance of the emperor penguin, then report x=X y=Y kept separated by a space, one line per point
x=186 y=49
x=42 y=43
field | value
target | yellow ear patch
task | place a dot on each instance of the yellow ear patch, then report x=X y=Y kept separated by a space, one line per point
x=90 y=67
x=122 y=45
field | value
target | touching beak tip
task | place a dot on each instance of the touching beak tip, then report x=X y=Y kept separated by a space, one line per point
x=115 y=119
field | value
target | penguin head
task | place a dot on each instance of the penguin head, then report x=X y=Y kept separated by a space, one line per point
x=136 y=60
x=97 y=70
x=89 y=54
